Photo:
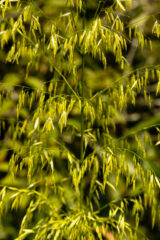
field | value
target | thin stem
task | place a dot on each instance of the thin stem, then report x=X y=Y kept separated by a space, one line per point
x=58 y=71
x=82 y=103
x=82 y=89
x=82 y=109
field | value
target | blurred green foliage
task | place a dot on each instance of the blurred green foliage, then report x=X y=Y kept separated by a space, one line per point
x=49 y=189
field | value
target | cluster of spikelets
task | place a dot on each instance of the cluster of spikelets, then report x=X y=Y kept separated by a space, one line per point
x=112 y=161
